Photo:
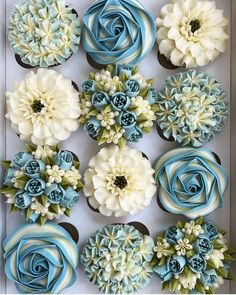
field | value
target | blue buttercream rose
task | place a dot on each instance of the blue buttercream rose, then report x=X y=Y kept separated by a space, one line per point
x=127 y=119
x=133 y=134
x=64 y=160
x=211 y=230
x=173 y=234
x=209 y=277
x=132 y=88
x=89 y=86
x=152 y=95
x=70 y=198
x=55 y=193
x=100 y=100
x=22 y=199
x=9 y=176
x=120 y=101
x=197 y=263
x=92 y=127
x=124 y=69
x=20 y=159
x=35 y=187
x=203 y=246
x=32 y=168
x=41 y=259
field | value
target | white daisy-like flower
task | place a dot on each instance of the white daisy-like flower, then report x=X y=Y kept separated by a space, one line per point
x=44 y=108
x=140 y=79
x=188 y=281
x=119 y=181
x=113 y=137
x=103 y=76
x=43 y=152
x=192 y=229
x=191 y=33
x=141 y=104
x=55 y=174
x=106 y=118
x=72 y=176
x=217 y=258
x=183 y=245
x=38 y=208
x=85 y=106
x=161 y=248
x=111 y=85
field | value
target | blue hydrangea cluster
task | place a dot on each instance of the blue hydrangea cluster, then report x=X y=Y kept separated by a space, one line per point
x=192 y=257
x=42 y=182
x=118 y=105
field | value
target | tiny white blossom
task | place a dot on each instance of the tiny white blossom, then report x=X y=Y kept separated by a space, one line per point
x=55 y=174
x=106 y=118
x=161 y=248
x=182 y=246
x=192 y=228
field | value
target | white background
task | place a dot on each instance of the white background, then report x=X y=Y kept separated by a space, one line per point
x=87 y=221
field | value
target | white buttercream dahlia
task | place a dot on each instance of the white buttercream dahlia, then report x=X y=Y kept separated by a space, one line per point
x=191 y=33
x=119 y=181
x=44 y=107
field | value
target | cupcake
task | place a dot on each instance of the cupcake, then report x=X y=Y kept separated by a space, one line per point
x=118 y=105
x=43 y=33
x=117 y=32
x=191 y=33
x=192 y=258
x=43 y=183
x=44 y=108
x=117 y=259
x=190 y=182
x=119 y=181
x=41 y=259
x=191 y=108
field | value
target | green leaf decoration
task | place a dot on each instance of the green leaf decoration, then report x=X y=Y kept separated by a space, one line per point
x=190 y=253
x=107 y=108
x=13 y=208
x=65 y=183
x=91 y=76
x=117 y=128
x=180 y=224
x=135 y=70
x=147 y=130
x=31 y=148
x=132 y=107
x=174 y=285
x=230 y=277
x=88 y=96
x=210 y=265
x=43 y=175
x=55 y=148
x=222 y=231
x=120 y=87
x=228 y=257
x=54 y=208
x=222 y=272
x=49 y=161
x=82 y=120
x=79 y=186
x=200 y=287
x=184 y=291
x=144 y=92
x=93 y=113
x=165 y=286
x=122 y=142
x=99 y=87
x=199 y=221
x=217 y=245
x=170 y=251
x=21 y=181
x=8 y=190
x=142 y=118
x=28 y=212
x=162 y=261
x=68 y=212
x=154 y=261
x=187 y=271
x=231 y=251
x=150 y=81
x=211 y=291
x=123 y=77
x=42 y=200
x=42 y=219
x=6 y=164
x=110 y=68
x=76 y=164
x=154 y=108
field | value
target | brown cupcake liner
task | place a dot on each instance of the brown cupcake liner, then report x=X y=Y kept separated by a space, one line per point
x=94 y=64
x=161 y=134
x=165 y=63
x=71 y=229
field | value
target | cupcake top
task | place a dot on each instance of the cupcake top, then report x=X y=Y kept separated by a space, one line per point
x=118 y=32
x=44 y=33
x=42 y=182
x=190 y=182
x=44 y=107
x=192 y=257
x=117 y=259
x=191 y=33
x=41 y=259
x=118 y=105
x=191 y=108
x=119 y=181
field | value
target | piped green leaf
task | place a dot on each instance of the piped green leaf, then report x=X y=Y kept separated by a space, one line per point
x=28 y=212
x=110 y=68
x=31 y=148
x=8 y=190
x=54 y=208
x=43 y=200
x=222 y=272
x=42 y=219
x=91 y=76
x=122 y=142
x=199 y=221
x=68 y=212
x=200 y=287
x=6 y=164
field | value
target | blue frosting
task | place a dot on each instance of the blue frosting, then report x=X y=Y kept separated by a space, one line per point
x=118 y=31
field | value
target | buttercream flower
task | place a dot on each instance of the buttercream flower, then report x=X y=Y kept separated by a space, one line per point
x=43 y=33
x=191 y=108
x=106 y=119
x=192 y=263
x=93 y=127
x=117 y=259
x=116 y=32
x=44 y=183
x=100 y=100
x=44 y=107
x=120 y=101
x=47 y=254
x=211 y=230
x=191 y=33
x=119 y=181
x=190 y=181
x=88 y=86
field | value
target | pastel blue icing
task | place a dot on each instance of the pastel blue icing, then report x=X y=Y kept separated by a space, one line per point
x=41 y=259
x=118 y=31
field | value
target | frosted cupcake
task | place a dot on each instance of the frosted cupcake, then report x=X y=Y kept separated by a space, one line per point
x=193 y=257
x=117 y=32
x=191 y=33
x=117 y=259
x=43 y=33
x=41 y=259
x=190 y=182
x=118 y=105
x=43 y=183
x=119 y=181
x=44 y=108
x=191 y=108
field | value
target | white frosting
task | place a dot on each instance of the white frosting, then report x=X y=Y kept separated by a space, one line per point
x=108 y=198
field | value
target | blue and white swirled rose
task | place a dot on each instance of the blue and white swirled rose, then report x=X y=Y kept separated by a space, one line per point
x=118 y=31
x=190 y=181
x=117 y=259
x=41 y=259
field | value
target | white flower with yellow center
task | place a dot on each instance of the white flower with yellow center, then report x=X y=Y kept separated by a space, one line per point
x=183 y=246
x=103 y=76
x=85 y=106
x=44 y=108
x=217 y=258
x=55 y=174
x=138 y=77
x=72 y=176
x=191 y=33
x=38 y=208
x=192 y=229
x=119 y=181
x=161 y=248
x=106 y=118
x=43 y=152
x=188 y=281
x=113 y=137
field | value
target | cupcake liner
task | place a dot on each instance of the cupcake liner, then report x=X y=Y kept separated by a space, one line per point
x=71 y=229
x=165 y=63
x=94 y=64
x=160 y=133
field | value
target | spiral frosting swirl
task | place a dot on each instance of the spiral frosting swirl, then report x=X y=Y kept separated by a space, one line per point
x=41 y=259
x=118 y=31
x=190 y=181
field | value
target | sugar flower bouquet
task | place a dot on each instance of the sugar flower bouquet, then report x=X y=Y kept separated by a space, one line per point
x=193 y=257
x=118 y=105
x=43 y=183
